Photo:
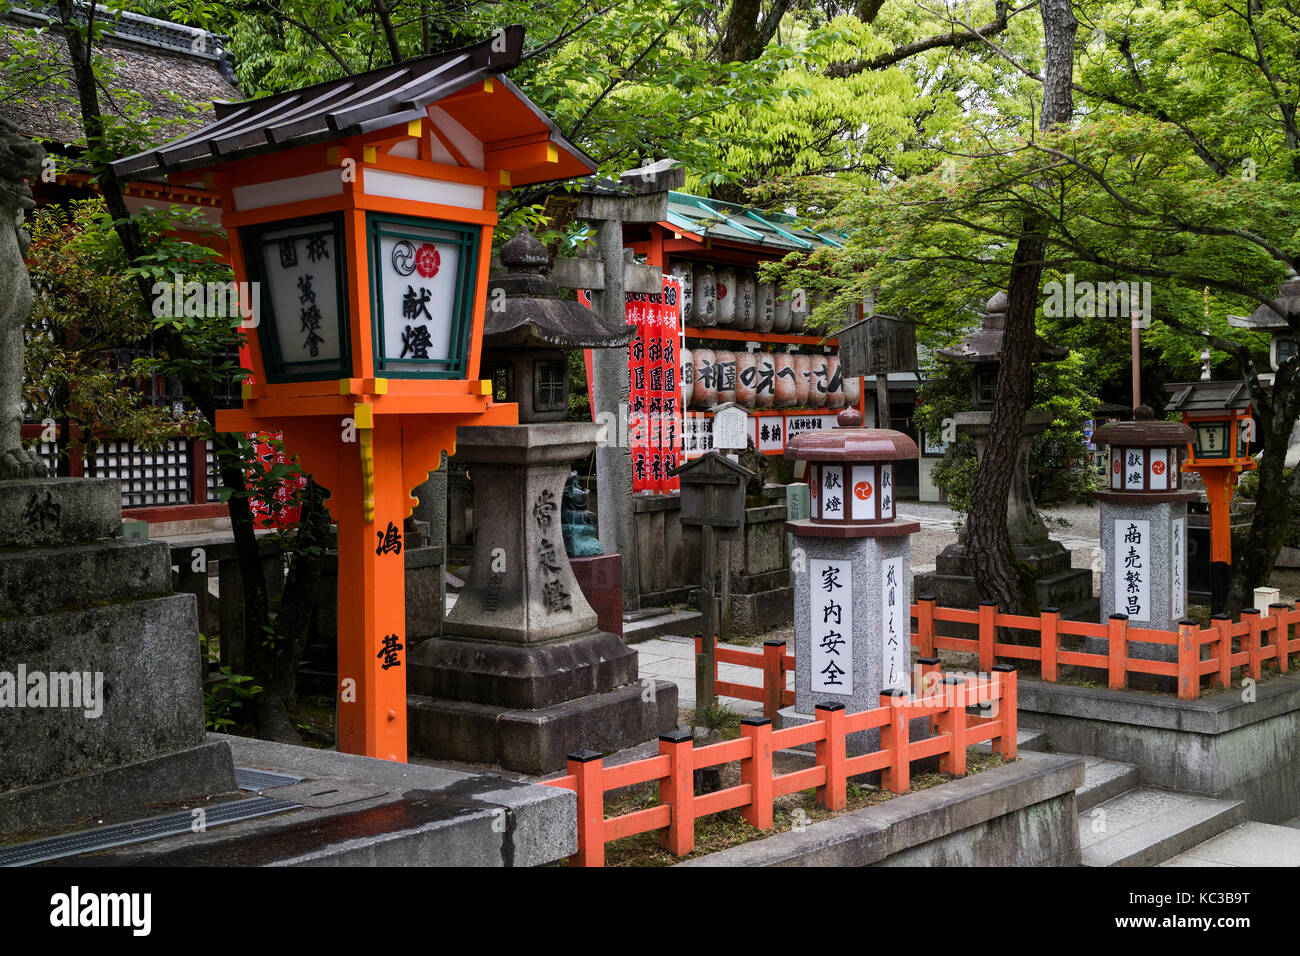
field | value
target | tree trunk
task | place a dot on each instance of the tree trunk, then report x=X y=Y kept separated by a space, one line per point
x=987 y=543
x=1274 y=512
x=277 y=666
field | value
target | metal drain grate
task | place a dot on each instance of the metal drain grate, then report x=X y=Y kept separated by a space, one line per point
x=139 y=831
x=246 y=778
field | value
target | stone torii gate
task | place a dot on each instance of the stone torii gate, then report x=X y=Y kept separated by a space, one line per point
x=639 y=195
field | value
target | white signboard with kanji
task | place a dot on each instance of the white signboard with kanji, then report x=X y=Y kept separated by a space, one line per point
x=1133 y=569
x=1178 y=569
x=895 y=626
x=301 y=264
x=830 y=586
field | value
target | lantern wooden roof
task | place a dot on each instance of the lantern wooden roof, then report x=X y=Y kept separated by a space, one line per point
x=462 y=86
x=1144 y=432
x=848 y=442
x=1201 y=398
x=1274 y=317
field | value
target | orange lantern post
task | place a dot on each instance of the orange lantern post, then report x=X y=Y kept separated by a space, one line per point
x=361 y=211
x=1219 y=414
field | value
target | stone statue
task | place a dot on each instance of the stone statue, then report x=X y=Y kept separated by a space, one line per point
x=20 y=161
x=577 y=523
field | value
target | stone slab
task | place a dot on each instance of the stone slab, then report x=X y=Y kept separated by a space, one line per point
x=180 y=775
x=42 y=580
x=147 y=656
x=1019 y=814
x=425 y=816
x=1103 y=780
x=45 y=512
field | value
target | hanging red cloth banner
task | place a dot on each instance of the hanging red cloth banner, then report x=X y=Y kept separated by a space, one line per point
x=654 y=426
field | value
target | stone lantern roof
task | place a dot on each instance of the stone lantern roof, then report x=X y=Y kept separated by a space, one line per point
x=985 y=343
x=534 y=315
x=850 y=442
x=1144 y=432
x=1273 y=318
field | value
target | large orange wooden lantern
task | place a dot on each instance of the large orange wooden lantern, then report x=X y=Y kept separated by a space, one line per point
x=1220 y=416
x=363 y=210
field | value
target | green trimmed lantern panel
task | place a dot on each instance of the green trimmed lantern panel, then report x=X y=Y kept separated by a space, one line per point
x=1213 y=438
x=422 y=293
x=301 y=272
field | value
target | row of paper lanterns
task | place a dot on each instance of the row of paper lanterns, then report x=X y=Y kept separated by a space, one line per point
x=734 y=298
x=765 y=380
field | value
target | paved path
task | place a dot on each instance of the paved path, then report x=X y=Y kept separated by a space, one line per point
x=673 y=659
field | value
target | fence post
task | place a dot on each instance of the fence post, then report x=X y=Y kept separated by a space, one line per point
x=1253 y=647
x=928 y=666
x=831 y=754
x=1282 y=635
x=773 y=677
x=988 y=631
x=586 y=767
x=678 y=791
x=1007 y=705
x=1117 y=648
x=1050 y=622
x=757 y=771
x=1189 y=659
x=1223 y=624
x=953 y=723
x=894 y=738
x=925 y=624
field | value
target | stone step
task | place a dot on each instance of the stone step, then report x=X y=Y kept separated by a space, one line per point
x=1103 y=780
x=1250 y=844
x=1026 y=739
x=1144 y=827
x=43 y=580
x=662 y=624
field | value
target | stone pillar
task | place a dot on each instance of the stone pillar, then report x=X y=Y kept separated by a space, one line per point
x=611 y=389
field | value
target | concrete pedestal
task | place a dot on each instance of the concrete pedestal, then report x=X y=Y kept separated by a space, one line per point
x=1144 y=566
x=862 y=620
x=522 y=674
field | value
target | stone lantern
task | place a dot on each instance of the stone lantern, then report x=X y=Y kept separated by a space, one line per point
x=852 y=600
x=524 y=672
x=528 y=328
x=1144 y=527
x=952 y=582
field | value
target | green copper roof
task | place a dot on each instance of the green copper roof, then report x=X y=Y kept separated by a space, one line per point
x=744 y=224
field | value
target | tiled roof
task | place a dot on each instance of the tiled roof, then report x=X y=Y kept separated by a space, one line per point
x=718 y=220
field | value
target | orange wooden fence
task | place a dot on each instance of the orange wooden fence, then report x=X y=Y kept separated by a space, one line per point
x=945 y=702
x=773 y=661
x=1201 y=652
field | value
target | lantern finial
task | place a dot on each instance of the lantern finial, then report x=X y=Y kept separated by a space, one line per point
x=849 y=418
x=523 y=254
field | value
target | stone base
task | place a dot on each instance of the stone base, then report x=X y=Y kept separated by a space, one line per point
x=761 y=611
x=513 y=675
x=538 y=740
x=1058 y=585
x=601 y=581
x=180 y=776
x=1218 y=746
